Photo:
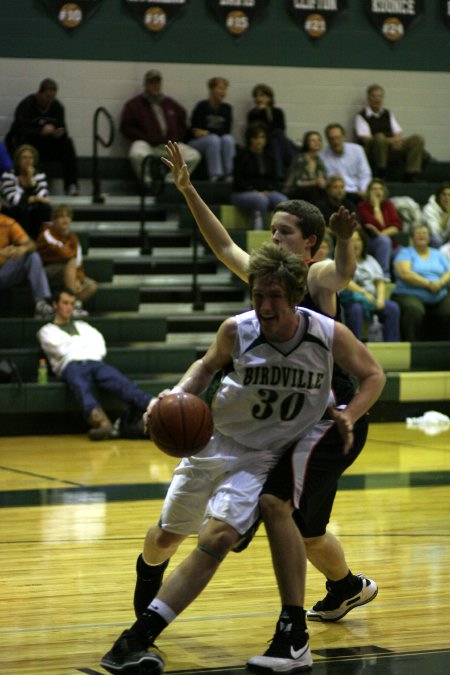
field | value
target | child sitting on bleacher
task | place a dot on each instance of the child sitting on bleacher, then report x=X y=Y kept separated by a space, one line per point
x=60 y=251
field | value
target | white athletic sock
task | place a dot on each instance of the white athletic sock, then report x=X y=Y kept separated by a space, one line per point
x=163 y=610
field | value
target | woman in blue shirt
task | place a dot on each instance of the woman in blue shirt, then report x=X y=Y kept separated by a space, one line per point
x=423 y=274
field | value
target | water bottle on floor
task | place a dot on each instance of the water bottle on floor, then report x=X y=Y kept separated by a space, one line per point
x=375 y=330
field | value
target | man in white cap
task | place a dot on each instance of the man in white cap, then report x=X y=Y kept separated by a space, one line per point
x=150 y=119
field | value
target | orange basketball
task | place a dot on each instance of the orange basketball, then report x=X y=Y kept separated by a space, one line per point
x=181 y=424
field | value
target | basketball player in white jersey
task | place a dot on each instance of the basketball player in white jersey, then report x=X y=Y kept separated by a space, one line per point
x=278 y=361
x=298 y=226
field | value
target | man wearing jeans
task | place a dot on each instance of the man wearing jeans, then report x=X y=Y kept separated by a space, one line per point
x=19 y=262
x=76 y=351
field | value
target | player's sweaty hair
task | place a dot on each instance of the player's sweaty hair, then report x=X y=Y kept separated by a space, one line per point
x=275 y=264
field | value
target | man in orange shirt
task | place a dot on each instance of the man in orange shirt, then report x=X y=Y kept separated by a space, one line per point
x=19 y=262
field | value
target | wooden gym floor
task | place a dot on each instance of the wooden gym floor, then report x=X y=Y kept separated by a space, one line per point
x=71 y=525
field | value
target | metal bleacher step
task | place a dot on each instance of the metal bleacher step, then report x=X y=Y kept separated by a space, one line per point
x=110 y=297
x=185 y=294
x=125 y=211
x=98 y=239
x=20 y=332
x=154 y=265
x=136 y=360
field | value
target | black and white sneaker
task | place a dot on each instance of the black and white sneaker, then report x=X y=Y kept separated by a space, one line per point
x=333 y=608
x=289 y=652
x=130 y=656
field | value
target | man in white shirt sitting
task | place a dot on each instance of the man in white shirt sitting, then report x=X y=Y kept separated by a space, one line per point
x=348 y=160
x=75 y=351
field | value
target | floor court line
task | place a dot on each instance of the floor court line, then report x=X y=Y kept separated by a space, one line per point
x=212 y=617
x=39 y=475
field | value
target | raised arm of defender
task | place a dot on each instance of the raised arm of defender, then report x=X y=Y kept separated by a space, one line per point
x=234 y=257
x=324 y=279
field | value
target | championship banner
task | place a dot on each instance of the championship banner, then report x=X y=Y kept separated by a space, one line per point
x=394 y=17
x=155 y=15
x=70 y=15
x=316 y=16
x=237 y=15
x=446 y=11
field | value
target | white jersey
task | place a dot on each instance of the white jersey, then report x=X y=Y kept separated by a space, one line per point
x=273 y=395
x=271 y=398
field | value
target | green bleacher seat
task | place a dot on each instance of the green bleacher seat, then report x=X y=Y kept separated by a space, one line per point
x=21 y=332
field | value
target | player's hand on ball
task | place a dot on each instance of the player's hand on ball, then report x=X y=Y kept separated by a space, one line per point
x=150 y=407
x=180 y=423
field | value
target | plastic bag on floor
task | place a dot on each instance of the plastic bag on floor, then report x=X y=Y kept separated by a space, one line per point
x=431 y=422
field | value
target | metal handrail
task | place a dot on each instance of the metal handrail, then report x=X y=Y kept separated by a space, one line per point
x=97 y=197
x=197 y=302
x=156 y=173
x=146 y=249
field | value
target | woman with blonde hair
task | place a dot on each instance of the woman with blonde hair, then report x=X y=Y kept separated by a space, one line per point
x=24 y=191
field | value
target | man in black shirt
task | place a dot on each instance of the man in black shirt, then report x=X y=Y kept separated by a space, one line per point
x=39 y=121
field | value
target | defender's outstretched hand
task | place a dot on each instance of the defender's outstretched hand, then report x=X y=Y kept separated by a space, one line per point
x=343 y=223
x=177 y=165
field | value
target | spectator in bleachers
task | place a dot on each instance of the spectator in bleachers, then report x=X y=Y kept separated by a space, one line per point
x=149 y=120
x=6 y=163
x=39 y=120
x=19 y=262
x=326 y=249
x=436 y=214
x=335 y=196
x=306 y=177
x=381 y=135
x=409 y=211
x=60 y=251
x=24 y=191
x=211 y=124
x=348 y=160
x=254 y=177
x=265 y=112
x=365 y=295
x=75 y=350
x=421 y=289
x=381 y=221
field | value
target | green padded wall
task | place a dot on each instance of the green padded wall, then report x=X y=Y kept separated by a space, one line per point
x=27 y=30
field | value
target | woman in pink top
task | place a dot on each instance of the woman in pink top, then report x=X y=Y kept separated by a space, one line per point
x=381 y=221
